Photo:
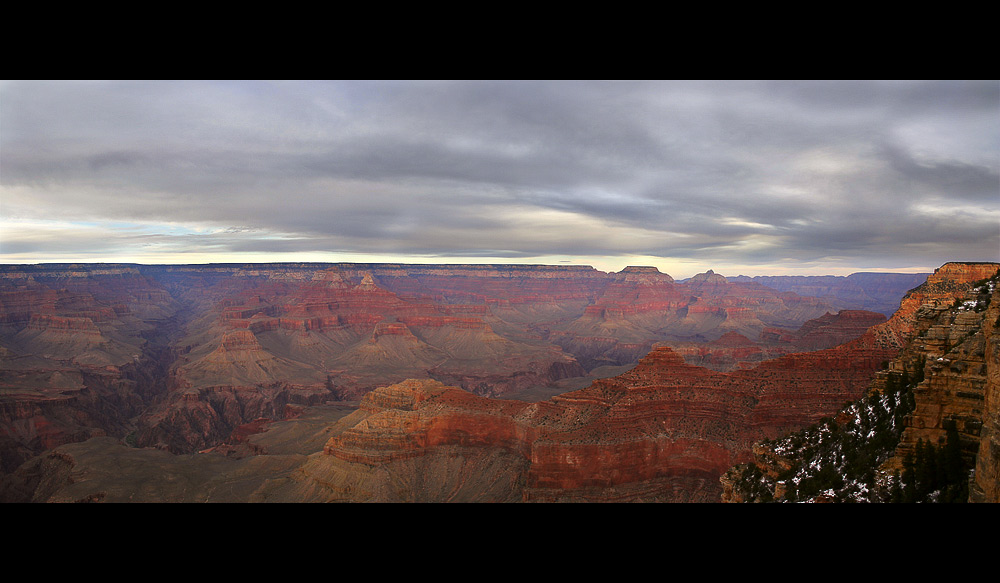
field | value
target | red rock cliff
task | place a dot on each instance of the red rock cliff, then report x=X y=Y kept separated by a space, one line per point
x=663 y=431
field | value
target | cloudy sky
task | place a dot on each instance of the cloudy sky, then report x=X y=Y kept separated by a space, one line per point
x=741 y=177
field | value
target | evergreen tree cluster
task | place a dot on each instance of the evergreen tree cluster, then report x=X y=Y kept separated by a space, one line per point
x=840 y=461
x=980 y=295
x=934 y=473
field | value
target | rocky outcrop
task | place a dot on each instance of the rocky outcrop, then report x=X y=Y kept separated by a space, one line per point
x=729 y=352
x=239 y=359
x=663 y=431
x=956 y=275
x=832 y=330
x=942 y=288
x=955 y=346
x=936 y=392
x=985 y=485
x=195 y=419
x=417 y=441
x=734 y=351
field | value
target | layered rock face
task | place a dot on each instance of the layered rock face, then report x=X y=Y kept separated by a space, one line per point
x=347 y=332
x=641 y=307
x=729 y=352
x=985 y=485
x=948 y=283
x=75 y=360
x=664 y=431
x=181 y=357
x=956 y=346
x=832 y=330
x=349 y=328
x=669 y=428
x=946 y=330
x=734 y=351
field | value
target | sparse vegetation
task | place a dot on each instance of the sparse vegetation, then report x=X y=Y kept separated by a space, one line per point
x=978 y=300
x=839 y=461
x=934 y=473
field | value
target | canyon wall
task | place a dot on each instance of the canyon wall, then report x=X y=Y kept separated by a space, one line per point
x=664 y=431
x=76 y=359
x=196 y=354
x=947 y=367
x=985 y=485
x=198 y=350
x=955 y=343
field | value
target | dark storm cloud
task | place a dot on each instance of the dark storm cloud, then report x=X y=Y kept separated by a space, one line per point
x=880 y=173
x=955 y=179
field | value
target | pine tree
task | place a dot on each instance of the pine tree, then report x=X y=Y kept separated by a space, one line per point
x=918 y=376
x=909 y=487
x=924 y=467
x=896 y=492
x=891 y=384
x=954 y=465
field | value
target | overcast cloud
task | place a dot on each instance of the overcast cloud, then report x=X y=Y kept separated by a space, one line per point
x=741 y=177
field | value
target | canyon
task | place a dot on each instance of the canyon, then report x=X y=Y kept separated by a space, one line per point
x=935 y=404
x=392 y=382
x=877 y=292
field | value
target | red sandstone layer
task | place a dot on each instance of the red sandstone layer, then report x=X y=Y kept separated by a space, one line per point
x=659 y=432
x=342 y=330
x=663 y=421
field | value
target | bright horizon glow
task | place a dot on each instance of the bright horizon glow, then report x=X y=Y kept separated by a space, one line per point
x=676 y=269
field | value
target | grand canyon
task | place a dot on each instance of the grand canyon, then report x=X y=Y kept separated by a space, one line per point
x=499 y=291
x=351 y=382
